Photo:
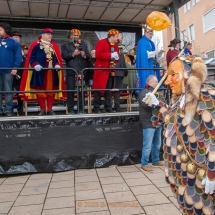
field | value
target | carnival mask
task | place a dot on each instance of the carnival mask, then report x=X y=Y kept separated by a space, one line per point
x=178 y=72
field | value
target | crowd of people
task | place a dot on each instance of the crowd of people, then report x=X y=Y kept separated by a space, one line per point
x=44 y=53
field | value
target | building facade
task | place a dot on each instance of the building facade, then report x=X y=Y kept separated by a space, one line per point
x=197 y=25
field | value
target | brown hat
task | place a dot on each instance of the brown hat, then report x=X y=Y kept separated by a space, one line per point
x=174 y=42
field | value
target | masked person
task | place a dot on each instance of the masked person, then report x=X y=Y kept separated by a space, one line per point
x=10 y=57
x=189 y=140
x=76 y=55
x=106 y=57
x=42 y=54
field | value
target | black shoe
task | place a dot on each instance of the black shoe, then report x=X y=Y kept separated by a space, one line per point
x=41 y=113
x=51 y=112
x=20 y=114
x=118 y=109
x=1 y=114
x=97 y=111
x=110 y=111
x=8 y=114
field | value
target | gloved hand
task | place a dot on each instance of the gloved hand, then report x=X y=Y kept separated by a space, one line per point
x=209 y=185
x=115 y=56
x=153 y=100
x=38 y=68
x=57 y=67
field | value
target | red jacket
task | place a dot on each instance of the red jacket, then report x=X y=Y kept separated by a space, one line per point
x=171 y=54
x=103 y=58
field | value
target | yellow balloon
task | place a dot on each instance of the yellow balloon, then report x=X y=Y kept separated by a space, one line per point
x=158 y=21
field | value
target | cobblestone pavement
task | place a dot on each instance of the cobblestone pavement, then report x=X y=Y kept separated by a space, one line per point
x=123 y=190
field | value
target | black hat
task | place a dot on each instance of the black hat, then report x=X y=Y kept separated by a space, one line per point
x=174 y=42
x=16 y=33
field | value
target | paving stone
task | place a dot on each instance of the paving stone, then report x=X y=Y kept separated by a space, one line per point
x=128 y=169
x=89 y=194
x=10 y=188
x=85 y=172
x=156 y=176
x=174 y=201
x=120 y=197
x=64 y=177
x=109 y=188
x=61 y=184
x=166 y=191
x=70 y=172
x=2 y=180
x=86 y=178
x=91 y=206
x=61 y=211
x=68 y=191
x=34 y=190
x=16 y=180
x=5 y=207
x=160 y=183
x=127 y=175
x=142 y=190
x=96 y=213
x=30 y=200
x=125 y=208
x=108 y=174
x=152 y=199
x=167 y=209
x=138 y=182
x=112 y=180
x=61 y=202
x=87 y=186
x=7 y=197
x=36 y=183
x=27 y=210
x=40 y=176
x=110 y=169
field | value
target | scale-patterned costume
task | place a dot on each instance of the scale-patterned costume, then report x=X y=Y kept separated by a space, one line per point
x=189 y=142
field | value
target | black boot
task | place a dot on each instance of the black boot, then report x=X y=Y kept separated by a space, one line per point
x=42 y=113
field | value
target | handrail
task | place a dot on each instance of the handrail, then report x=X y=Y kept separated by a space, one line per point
x=82 y=83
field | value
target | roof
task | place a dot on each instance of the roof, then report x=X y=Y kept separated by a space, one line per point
x=127 y=12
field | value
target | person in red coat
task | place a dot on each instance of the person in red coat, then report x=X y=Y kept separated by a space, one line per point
x=106 y=57
x=44 y=54
x=173 y=50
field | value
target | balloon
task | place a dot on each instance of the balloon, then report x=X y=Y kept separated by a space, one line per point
x=158 y=21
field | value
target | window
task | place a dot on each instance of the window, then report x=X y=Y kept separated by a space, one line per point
x=184 y=36
x=187 y=7
x=191 y=32
x=195 y=2
x=208 y=20
x=211 y=54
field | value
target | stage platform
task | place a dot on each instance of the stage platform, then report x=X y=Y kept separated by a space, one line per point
x=66 y=142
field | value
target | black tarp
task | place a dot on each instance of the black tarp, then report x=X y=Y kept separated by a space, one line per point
x=60 y=144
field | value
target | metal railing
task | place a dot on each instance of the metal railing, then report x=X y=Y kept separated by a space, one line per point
x=83 y=90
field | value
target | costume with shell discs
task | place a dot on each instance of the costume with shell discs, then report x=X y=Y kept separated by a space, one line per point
x=189 y=139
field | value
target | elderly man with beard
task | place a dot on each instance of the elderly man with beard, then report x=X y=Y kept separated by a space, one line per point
x=11 y=57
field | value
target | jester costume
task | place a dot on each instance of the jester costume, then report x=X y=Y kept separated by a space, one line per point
x=189 y=139
x=47 y=55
